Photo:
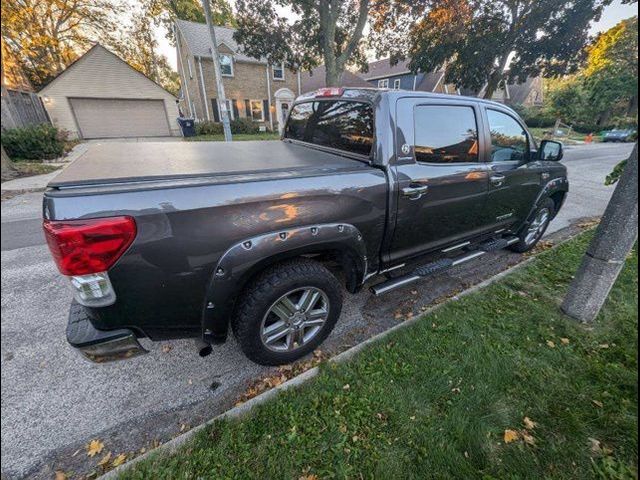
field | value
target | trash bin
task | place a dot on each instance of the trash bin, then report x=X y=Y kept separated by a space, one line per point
x=188 y=126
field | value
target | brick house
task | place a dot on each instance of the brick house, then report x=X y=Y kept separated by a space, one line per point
x=254 y=89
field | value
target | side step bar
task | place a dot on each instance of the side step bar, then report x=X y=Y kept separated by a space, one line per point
x=442 y=264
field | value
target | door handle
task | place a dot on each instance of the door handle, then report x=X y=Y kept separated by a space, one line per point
x=414 y=193
x=497 y=180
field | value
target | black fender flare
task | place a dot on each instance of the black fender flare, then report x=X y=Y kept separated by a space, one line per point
x=558 y=184
x=248 y=257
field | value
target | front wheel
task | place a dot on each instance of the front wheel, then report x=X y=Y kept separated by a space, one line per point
x=287 y=312
x=531 y=234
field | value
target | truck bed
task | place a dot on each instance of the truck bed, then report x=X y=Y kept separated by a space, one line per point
x=111 y=163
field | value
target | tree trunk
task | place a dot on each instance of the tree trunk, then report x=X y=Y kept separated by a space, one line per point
x=603 y=119
x=8 y=170
x=495 y=78
x=608 y=251
x=632 y=111
x=333 y=78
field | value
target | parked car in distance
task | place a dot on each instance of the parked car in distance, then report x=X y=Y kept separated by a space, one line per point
x=178 y=240
x=616 y=135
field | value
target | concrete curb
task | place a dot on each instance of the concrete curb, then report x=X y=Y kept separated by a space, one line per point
x=236 y=412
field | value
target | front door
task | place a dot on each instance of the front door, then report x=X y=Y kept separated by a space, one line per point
x=441 y=174
x=514 y=181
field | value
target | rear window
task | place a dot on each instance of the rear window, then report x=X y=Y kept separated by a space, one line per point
x=337 y=124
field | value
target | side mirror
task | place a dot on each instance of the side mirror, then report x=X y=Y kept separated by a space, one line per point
x=551 y=151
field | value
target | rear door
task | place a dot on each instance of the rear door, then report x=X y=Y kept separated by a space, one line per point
x=441 y=174
x=514 y=179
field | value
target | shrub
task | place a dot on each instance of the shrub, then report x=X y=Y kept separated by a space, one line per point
x=35 y=142
x=208 y=128
x=245 y=126
x=535 y=117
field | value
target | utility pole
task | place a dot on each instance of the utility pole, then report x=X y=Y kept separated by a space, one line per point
x=222 y=99
x=609 y=248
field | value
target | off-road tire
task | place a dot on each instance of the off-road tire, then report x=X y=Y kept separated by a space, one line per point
x=267 y=288
x=522 y=246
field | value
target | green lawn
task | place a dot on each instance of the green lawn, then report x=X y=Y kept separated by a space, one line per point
x=240 y=137
x=573 y=138
x=434 y=400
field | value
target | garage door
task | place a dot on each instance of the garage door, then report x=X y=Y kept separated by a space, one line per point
x=109 y=118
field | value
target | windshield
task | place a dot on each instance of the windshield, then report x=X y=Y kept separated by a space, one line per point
x=340 y=124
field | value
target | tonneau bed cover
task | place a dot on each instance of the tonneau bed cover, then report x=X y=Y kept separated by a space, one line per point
x=121 y=162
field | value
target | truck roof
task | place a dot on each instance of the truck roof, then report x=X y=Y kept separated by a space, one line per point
x=114 y=163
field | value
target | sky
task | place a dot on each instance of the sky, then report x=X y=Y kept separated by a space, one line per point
x=612 y=14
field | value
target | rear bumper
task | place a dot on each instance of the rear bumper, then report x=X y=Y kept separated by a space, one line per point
x=100 y=345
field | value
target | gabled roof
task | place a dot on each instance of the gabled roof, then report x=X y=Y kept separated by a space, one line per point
x=518 y=92
x=430 y=81
x=78 y=61
x=196 y=35
x=316 y=79
x=383 y=68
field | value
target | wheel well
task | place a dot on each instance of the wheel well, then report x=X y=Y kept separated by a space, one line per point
x=338 y=261
x=558 y=198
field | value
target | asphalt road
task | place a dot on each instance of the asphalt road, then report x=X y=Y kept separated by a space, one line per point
x=54 y=402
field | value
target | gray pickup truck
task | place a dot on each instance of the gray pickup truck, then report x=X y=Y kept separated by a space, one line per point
x=185 y=240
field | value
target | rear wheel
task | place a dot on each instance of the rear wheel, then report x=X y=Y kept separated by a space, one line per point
x=531 y=234
x=287 y=311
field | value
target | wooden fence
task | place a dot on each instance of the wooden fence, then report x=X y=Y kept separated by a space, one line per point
x=20 y=109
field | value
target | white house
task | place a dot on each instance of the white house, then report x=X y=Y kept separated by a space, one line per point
x=102 y=96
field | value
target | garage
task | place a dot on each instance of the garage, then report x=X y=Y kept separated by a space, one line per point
x=113 y=118
x=101 y=96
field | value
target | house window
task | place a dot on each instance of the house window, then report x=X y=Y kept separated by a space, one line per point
x=278 y=72
x=189 y=68
x=226 y=65
x=396 y=84
x=383 y=83
x=229 y=104
x=257 y=112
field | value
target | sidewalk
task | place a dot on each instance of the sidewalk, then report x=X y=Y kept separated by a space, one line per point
x=39 y=182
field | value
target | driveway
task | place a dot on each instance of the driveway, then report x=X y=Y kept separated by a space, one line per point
x=54 y=402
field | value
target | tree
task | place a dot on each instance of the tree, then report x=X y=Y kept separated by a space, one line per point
x=45 y=36
x=325 y=31
x=611 y=72
x=609 y=249
x=476 y=40
x=138 y=47
x=166 y=12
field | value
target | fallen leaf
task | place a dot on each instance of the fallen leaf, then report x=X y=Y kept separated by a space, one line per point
x=529 y=424
x=354 y=438
x=604 y=345
x=565 y=341
x=414 y=292
x=398 y=315
x=105 y=459
x=529 y=440
x=412 y=417
x=166 y=348
x=510 y=436
x=551 y=344
x=346 y=387
x=596 y=446
x=94 y=447
x=308 y=477
x=342 y=428
x=598 y=403
x=60 y=475
x=119 y=460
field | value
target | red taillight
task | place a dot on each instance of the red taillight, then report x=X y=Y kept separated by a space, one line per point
x=80 y=247
x=330 y=92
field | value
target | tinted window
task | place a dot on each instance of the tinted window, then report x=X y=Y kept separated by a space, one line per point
x=509 y=141
x=446 y=134
x=337 y=124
